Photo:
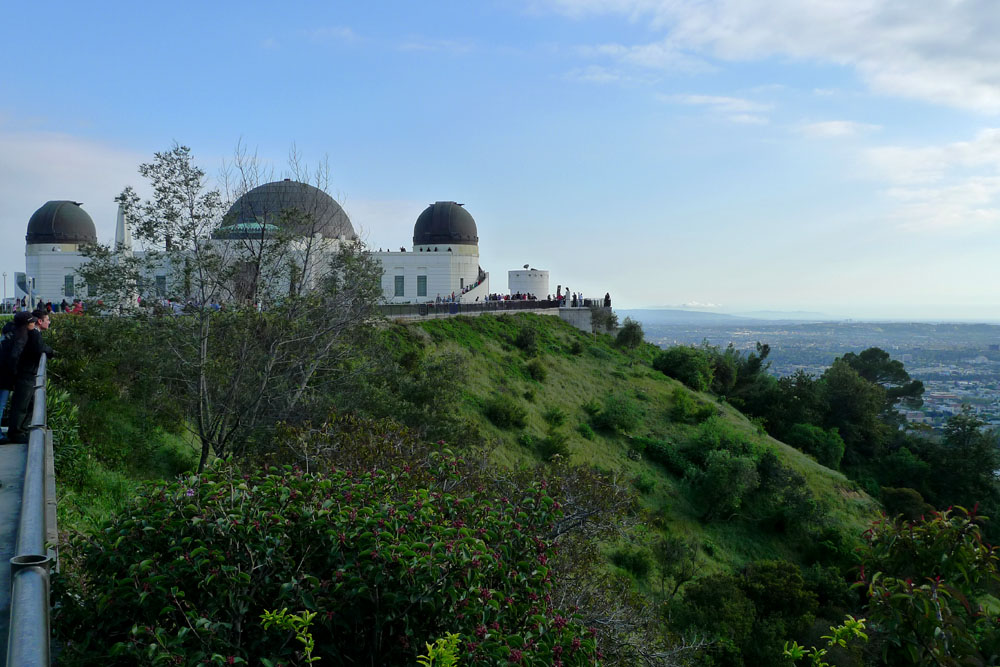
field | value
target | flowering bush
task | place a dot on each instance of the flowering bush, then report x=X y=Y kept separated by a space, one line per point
x=185 y=576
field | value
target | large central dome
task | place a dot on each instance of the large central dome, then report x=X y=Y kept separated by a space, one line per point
x=297 y=208
x=61 y=222
x=445 y=222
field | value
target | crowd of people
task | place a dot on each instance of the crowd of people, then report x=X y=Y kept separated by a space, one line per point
x=21 y=349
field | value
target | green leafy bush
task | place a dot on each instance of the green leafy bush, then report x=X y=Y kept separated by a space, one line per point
x=527 y=339
x=644 y=483
x=67 y=448
x=635 y=560
x=506 y=412
x=554 y=416
x=536 y=370
x=630 y=336
x=826 y=446
x=667 y=455
x=591 y=407
x=187 y=572
x=688 y=410
x=584 y=429
x=554 y=443
x=619 y=413
x=690 y=365
x=599 y=353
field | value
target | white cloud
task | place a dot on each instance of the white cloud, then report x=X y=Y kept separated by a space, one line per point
x=734 y=109
x=942 y=51
x=594 y=74
x=336 y=33
x=436 y=45
x=954 y=187
x=830 y=129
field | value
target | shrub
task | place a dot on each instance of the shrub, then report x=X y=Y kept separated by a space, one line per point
x=619 y=413
x=904 y=502
x=536 y=370
x=527 y=339
x=529 y=394
x=636 y=561
x=688 y=410
x=644 y=483
x=576 y=347
x=591 y=407
x=67 y=447
x=506 y=412
x=666 y=455
x=687 y=364
x=630 y=336
x=554 y=416
x=725 y=482
x=827 y=447
x=526 y=440
x=554 y=443
x=599 y=353
x=586 y=431
x=188 y=571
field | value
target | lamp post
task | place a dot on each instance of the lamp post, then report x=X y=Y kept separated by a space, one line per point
x=4 y=290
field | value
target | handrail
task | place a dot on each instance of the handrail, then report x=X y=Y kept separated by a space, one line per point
x=28 y=639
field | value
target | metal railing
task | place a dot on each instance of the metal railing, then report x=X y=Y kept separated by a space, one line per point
x=436 y=309
x=28 y=639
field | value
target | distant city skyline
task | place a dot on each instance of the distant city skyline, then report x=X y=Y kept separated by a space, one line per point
x=788 y=155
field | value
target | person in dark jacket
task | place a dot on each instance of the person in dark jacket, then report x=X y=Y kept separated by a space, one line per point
x=29 y=356
x=16 y=334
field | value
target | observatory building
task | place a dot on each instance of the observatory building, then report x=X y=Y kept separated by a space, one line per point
x=443 y=263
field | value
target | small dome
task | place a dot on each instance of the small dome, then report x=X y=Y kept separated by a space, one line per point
x=61 y=222
x=299 y=208
x=445 y=222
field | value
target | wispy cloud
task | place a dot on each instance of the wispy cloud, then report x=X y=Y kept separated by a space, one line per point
x=436 y=45
x=735 y=109
x=333 y=34
x=954 y=186
x=594 y=74
x=942 y=52
x=834 y=129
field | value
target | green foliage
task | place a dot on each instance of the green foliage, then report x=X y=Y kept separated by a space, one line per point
x=591 y=407
x=384 y=564
x=630 y=336
x=442 y=653
x=687 y=364
x=687 y=409
x=840 y=635
x=298 y=624
x=926 y=584
x=506 y=412
x=907 y=503
x=635 y=560
x=536 y=370
x=725 y=482
x=666 y=454
x=676 y=559
x=599 y=353
x=527 y=339
x=67 y=447
x=583 y=428
x=620 y=412
x=576 y=347
x=554 y=416
x=826 y=446
x=644 y=484
x=555 y=443
x=853 y=405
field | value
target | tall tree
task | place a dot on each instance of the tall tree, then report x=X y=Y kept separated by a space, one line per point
x=257 y=341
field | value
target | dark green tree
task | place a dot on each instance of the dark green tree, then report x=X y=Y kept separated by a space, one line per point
x=630 y=336
x=690 y=365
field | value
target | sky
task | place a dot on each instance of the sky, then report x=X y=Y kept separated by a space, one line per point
x=840 y=157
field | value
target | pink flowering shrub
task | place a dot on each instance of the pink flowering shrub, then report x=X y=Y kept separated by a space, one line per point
x=184 y=576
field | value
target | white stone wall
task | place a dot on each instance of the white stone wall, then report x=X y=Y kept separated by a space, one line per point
x=49 y=264
x=528 y=281
x=447 y=271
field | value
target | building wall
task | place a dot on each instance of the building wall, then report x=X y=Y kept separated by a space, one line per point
x=49 y=264
x=528 y=281
x=446 y=272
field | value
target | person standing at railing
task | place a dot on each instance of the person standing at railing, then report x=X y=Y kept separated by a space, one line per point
x=24 y=377
x=15 y=339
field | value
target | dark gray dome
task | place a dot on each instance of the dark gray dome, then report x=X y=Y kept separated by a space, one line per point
x=61 y=222
x=298 y=208
x=445 y=222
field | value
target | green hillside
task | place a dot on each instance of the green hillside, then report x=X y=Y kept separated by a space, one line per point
x=558 y=373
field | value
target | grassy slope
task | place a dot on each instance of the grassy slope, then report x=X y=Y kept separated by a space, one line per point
x=497 y=365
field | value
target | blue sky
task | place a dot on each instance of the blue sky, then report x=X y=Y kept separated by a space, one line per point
x=793 y=155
